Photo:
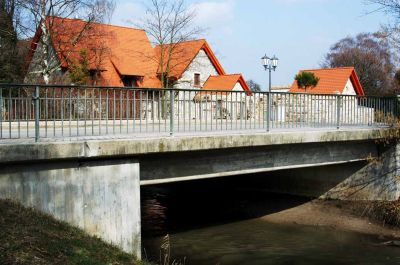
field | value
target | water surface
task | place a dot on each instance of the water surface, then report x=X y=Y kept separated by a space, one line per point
x=218 y=222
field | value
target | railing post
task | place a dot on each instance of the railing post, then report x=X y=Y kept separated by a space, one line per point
x=338 y=107
x=37 y=113
x=1 y=113
x=171 y=112
x=268 y=110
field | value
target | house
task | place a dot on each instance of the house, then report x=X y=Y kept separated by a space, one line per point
x=122 y=56
x=323 y=100
x=341 y=80
x=190 y=63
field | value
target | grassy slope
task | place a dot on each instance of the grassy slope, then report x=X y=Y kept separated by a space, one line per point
x=29 y=237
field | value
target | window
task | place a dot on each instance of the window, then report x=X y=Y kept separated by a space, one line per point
x=196 y=80
x=130 y=81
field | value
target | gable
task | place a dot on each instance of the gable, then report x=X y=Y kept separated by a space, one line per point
x=182 y=56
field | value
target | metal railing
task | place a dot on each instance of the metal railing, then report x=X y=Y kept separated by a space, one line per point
x=29 y=111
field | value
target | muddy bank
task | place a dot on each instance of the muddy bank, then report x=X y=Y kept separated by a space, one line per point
x=362 y=217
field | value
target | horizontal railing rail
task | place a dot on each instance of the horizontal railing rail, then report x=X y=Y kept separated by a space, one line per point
x=48 y=111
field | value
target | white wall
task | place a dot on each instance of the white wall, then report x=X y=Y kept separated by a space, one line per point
x=349 y=88
x=201 y=64
x=238 y=87
x=35 y=65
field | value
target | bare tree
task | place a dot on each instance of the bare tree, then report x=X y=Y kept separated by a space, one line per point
x=168 y=24
x=372 y=58
x=44 y=14
x=391 y=7
x=10 y=54
x=391 y=31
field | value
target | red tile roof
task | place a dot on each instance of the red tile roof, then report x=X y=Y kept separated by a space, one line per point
x=120 y=51
x=225 y=82
x=332 y=81
x=113 y=49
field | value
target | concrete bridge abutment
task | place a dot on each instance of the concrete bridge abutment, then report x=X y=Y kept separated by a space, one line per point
x=376 y=181
x=102 y=198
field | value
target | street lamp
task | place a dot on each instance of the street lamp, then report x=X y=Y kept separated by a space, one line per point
x=269 y=64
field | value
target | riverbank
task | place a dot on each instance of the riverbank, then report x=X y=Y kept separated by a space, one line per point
x=361 y=217
x=29 y=237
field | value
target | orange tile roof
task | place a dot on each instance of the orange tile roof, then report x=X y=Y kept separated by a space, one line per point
x=332 y=81
x=182 y=54
x=119 y=51
x=225 y=82
x=113 y=49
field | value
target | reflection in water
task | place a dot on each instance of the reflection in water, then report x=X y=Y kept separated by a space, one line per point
x=215 y=222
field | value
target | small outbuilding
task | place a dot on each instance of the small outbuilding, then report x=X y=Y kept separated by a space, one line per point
x=341 y=80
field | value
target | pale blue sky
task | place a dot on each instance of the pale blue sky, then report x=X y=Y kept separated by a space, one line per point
x=298 y=32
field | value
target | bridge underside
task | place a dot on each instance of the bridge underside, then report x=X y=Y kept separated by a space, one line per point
x=183 y=166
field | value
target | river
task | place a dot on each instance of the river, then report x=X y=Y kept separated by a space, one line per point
x=218 y=222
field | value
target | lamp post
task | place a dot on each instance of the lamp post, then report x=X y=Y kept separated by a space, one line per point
x=269 y=64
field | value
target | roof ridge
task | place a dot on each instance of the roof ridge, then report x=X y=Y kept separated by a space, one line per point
x=98 y=23
x=226 y=75
x=185 y=41
x=331 y=68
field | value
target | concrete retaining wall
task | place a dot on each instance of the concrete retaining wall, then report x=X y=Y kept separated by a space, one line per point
x=379 y=180
x=102 y=198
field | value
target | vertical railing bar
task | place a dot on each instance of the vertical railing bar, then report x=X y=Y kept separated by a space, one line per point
x=85 y=112
x=70 y=111
x=268 y=111
x=338 y=103
x=172 y=110
x=77 y=110
x=222 y=110
x=159 y=108
x=62 y=111
x=1 y=113
x=178 y=110
x=152 y=111
x=27 y=112
x=9 y=113
x=18 y=112
x=190 y=102
x=54 y=111
x=134 y=106
x=107 y=109
x=114 y=110
x=37 y=114
x=127 y=110
x=184 y=110
x=140 y=110
x=93 y=108
x=121 y=91
x=100 y=110
x=206 y=110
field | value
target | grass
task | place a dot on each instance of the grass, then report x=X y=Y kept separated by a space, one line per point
x=29 y=237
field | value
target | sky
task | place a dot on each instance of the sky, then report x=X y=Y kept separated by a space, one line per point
x=298 y=32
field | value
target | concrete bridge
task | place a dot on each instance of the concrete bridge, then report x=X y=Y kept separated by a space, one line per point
x=95 y=184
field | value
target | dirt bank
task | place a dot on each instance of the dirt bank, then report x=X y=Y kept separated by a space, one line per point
x=341 y=215
x=30 y=237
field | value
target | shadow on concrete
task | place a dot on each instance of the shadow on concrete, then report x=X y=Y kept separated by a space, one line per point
x=188 y=205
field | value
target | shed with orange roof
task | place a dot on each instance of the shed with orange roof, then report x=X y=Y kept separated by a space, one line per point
x=342 y=80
